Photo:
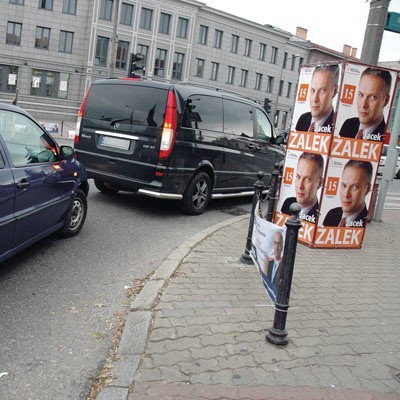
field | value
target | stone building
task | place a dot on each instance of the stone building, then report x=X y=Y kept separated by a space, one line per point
x=51 y=50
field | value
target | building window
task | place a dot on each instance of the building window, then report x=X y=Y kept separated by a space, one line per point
x=143 y=50
x=293 y=62
x=270 y=84
x=231 y=75
x=199 y=68
x=146 y=18
x=8 y=78
x=218 y=39
x=177 y=67
x=247 y=47
x=65 y=44
x=258 y=81
x=106 y=7
x=285 y=57
x=14 y=30
x=121 y=59
x=165 y=21
x=203 y=34
x=234 y=44
x=276 y=118
x=42 y=38
x=69 y=7
x=281 y=84
x=49 y=84
x=159 y=65
x=126 y=14
x=289 y=90
x=263 y=49
x=301 y=60
x=19 y=2
x=214 y=71
x=46 y=4
x=284 y=119
x=243 y=78
x=274 y=54
x=183 y=24
x=101 y=51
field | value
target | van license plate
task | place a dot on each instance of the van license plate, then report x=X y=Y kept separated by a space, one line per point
x=115 y=142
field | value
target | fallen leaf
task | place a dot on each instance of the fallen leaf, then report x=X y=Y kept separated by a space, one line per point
x=97 y=336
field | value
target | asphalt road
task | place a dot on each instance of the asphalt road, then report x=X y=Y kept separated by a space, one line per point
x=61 y=297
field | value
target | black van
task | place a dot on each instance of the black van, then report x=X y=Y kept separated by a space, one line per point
x=174 y=141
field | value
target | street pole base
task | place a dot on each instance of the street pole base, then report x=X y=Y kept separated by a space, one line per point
x=246 y=259
x=277 y=336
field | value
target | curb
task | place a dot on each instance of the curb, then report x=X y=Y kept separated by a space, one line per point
x=138 y=324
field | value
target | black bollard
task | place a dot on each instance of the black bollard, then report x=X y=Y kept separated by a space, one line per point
x=272 y=194
x=259 y=187
x=278 y=334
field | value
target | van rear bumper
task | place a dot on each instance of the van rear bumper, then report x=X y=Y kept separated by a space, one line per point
x=152 y=189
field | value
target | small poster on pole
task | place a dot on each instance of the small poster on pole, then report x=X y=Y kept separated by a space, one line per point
x=267 y=246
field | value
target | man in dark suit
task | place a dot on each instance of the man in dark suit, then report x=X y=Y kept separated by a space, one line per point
x=308 y=179
x=373 y=96
x=323 y=88
x=355 y=185
x=274 y=269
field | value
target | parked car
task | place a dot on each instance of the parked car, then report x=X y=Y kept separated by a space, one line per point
x=382 y=161
x=43 y=188
x=174 y=141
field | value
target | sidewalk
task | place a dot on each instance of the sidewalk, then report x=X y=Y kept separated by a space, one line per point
x=204 y=337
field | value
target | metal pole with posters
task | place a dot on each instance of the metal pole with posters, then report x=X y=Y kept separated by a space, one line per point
x=258 y=189
x=278 y=334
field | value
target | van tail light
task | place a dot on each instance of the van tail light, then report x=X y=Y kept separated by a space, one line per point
x=168 y=135
x=80 y=114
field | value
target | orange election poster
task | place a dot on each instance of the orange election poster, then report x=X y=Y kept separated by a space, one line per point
x=333 y=151
x=356 y=148
x=309 y=146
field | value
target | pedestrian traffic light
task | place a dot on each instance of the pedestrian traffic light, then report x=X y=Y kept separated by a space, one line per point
x=136 y=64
x=267 y=105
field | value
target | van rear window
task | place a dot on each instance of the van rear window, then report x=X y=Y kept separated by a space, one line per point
x=135 y=105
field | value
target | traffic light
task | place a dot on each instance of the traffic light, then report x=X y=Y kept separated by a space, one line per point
x=136 y=64
x=267 y=105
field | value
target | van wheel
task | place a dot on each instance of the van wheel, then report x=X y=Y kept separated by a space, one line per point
x=197 y=195
x=398 y=174
x=76 y=215
x=104 y=188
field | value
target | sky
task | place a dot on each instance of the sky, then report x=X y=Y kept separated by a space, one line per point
x=329 y=23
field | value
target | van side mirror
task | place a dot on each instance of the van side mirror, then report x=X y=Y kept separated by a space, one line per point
x=280 y=139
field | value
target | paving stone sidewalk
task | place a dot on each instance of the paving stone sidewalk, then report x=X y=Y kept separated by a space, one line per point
x=206 y=334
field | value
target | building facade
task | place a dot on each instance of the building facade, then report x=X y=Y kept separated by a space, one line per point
x=51 y=51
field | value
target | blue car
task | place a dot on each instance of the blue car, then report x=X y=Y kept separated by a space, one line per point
x=43 y=188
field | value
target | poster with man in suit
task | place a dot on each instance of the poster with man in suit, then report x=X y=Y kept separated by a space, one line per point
x=320 y=92
x=307 y=181
x=365 y=101
x=354 y=186
x=267 y=246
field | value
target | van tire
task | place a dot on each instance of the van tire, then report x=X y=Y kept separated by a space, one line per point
x=76 y=215
x=197 y=195
x=100 y=185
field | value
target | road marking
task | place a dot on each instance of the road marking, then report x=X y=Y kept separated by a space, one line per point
x=392 y=201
